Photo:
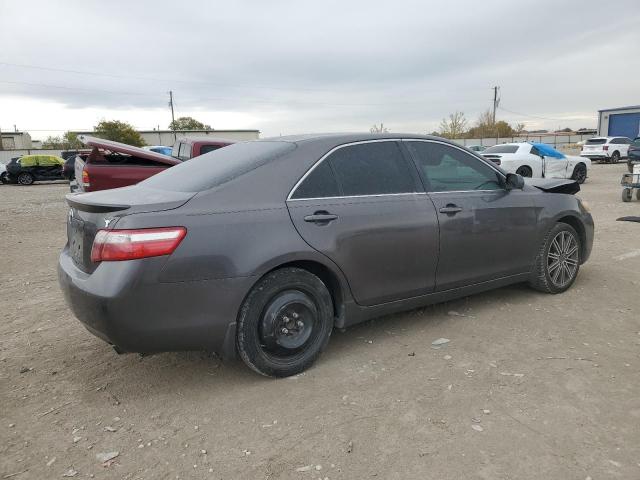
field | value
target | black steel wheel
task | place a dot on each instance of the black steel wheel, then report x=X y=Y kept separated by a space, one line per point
x=558 y=260
x=615 y=157
x=525 y=171
x=25 y=178
x=284 y=323
x=579 y=173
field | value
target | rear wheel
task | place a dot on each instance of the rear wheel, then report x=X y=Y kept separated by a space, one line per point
x=4 y=178
x=615 y=157
x=524 y=171
x=25 y=178
x=558 y=260
x=284 y=323
x=579 y=173
x=627 y=195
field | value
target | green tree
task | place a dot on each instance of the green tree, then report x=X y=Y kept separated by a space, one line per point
x=52 y=143
x=454 y=126
x=118 y=132
x=70 y=141
x=188 y=123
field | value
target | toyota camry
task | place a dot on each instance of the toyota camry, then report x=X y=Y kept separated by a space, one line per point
x=262 y=248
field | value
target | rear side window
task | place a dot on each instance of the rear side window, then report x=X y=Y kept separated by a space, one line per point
x=208 y=148
x=375 y=168
x=596 y=141
x=221 y=166
x=320 y=183
x=502 y=149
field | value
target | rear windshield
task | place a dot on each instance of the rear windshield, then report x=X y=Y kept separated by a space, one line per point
x=218 y=167
x=502 y=149
x=596 y=141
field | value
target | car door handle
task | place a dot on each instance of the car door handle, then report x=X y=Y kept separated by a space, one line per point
x=450 y=209
x=320 y=217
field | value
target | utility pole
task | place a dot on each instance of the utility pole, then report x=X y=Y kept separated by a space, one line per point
x=172 y=115
x=496 y=101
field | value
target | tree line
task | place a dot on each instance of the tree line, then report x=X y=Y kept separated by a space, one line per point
x=457 y=126
x=118 y=131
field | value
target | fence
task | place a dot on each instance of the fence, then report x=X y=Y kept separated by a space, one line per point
x=554 y=140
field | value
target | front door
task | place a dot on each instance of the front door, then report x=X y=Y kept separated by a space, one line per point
x=362 y=206
x=486 y=232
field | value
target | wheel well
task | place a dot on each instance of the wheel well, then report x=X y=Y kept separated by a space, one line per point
x=329 y=278
x=578 y=227
x=525 y=166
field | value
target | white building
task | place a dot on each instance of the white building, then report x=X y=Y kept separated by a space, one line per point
x=16 y=140
x=622 y=122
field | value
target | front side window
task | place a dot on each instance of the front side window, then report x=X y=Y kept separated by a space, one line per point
x=447 y=169
x=535 y=151
x=208 y=148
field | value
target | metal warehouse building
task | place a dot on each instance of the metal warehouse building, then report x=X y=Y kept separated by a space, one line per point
x=623 y=122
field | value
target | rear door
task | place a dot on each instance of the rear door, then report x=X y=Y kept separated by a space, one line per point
x=363 y=207
x=486 y=232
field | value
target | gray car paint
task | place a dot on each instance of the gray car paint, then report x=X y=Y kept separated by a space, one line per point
x=244 y=227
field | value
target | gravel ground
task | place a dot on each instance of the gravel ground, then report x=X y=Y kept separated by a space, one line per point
x=530 y=386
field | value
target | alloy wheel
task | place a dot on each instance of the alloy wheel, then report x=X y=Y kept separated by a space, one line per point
x=562 y=259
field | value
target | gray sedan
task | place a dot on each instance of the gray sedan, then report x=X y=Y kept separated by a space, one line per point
x=260 y=249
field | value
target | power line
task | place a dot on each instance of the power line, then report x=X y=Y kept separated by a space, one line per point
x=64 y=87
x=533 y=116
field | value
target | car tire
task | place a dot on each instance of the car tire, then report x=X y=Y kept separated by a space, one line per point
x=4 y=178
x=630 y=167
x=615 y=157
x=558 y=260
x=638 y=194
x=25 y=179
x=284 y=323
x=524 y=171
x=627 y=194
x=579 y=173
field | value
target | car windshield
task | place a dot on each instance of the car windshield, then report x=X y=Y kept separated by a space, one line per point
x=218 y=167
x=596 y=141
x=502 y=149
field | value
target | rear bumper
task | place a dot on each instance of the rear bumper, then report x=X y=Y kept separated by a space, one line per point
x=123 y=304
x=595 y=156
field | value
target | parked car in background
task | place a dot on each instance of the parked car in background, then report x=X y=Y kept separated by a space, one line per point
x=633 y=155
x=187 y=148
x=537 y=160
x=607 y=149
x=158 y=149
x=68 y=169
x=33 y=168
x=113 y=164
x=3 y=173
x=477 y=148
x=263 y=247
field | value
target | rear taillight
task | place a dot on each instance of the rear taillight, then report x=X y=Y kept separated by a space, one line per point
x=605 y=148
x=85 y=179
x=117 y=245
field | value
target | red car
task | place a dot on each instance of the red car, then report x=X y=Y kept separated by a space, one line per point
x=113 y=164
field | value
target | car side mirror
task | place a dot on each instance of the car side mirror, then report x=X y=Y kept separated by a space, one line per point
x=513 y=181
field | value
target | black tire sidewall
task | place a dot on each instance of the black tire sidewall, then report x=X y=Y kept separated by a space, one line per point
x=559 y=227
x=247 y=337
x=24 y=174
x=615 y=157
x=578 y=168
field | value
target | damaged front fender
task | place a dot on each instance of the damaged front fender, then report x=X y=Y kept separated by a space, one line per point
x=554 y=185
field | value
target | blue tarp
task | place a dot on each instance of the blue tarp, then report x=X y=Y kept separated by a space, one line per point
x=548 y=150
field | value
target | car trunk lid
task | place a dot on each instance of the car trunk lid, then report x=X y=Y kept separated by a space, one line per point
x=90 y=212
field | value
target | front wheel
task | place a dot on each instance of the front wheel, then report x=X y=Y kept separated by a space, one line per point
x=25 y=178
x=579 y=173
x=558 y=260
x=524 y=171
x=284 y=323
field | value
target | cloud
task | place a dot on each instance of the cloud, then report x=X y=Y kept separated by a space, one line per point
x=287 y=66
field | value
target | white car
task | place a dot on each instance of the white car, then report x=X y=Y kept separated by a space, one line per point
x=537 y=160
x=609 y=149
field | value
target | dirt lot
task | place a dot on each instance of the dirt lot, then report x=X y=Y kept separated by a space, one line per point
x=530 y=385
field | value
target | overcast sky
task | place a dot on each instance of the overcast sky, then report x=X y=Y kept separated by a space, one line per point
x=293 y=66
